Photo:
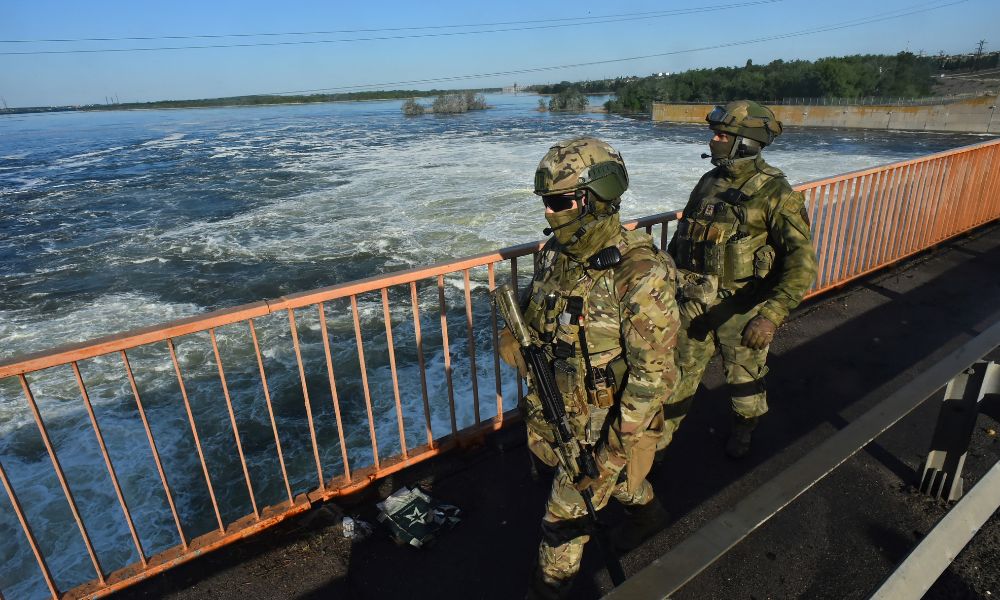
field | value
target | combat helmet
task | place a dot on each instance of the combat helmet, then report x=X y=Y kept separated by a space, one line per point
x=750 y=126
x=583 y=164
x=594 y=173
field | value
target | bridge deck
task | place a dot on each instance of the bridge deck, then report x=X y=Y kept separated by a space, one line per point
x=835 y=359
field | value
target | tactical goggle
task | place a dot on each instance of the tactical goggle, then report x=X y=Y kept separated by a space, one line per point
x=559 y=202
x=720 y=116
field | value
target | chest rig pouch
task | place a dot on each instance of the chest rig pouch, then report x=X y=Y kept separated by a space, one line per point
x=587 y=390
x=717 y=242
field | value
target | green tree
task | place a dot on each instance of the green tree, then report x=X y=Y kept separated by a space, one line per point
x=569 y=99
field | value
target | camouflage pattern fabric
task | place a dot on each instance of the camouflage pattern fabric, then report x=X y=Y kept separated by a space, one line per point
x=772 y=222
x=774 y=214
x=748 y=119
x=582 y=163
x=721 y=326
x=631 y=324
x=561 y=561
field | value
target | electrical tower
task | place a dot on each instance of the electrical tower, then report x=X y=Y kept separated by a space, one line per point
x=979 y=55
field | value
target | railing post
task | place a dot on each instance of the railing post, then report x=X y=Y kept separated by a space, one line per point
x=942 y=474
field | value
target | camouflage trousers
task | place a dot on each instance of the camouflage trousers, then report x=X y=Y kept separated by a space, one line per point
x=702 y=332
x=566 y=519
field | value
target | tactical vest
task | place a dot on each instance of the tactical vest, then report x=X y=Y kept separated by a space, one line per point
x=716 y=239
x=561 y=291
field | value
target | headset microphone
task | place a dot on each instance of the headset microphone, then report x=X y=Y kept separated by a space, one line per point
x=586 y=211
x=703 y=155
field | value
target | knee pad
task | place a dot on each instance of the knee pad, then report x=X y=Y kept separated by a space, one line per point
x=557 y=533
x=749 y=388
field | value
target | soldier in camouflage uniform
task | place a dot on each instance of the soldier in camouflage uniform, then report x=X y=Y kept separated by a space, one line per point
x=745 y=257
x=627 y=289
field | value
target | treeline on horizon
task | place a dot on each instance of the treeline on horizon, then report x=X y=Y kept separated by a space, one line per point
x=256 y=100
x=904 y=75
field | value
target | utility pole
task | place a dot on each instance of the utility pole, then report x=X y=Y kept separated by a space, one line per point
x=979 y=54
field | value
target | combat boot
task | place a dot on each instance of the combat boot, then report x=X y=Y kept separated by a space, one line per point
x=642 y=522
x=540 y=589
x=738 y=444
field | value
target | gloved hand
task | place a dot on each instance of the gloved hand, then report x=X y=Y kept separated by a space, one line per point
x=510 y=352
x=690 y=309
x=758 y=333
x=600 y=457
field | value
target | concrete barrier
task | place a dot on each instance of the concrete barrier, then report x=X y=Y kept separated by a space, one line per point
x=973 y=115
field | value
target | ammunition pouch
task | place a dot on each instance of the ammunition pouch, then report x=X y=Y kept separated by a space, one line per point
x=747 y=257
x=702 y=239
x=763 y=261
x=729 y=264
x=699 y=288
x=595 y=426
x=570 y=384
x=605 y=386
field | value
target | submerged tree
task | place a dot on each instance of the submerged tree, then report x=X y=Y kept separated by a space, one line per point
x=458 y=103
x=569 y=99
x=412 y=108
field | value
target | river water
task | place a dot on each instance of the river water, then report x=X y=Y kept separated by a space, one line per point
x=111 y=221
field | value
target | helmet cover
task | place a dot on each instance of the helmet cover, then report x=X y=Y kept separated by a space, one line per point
x=745 y=118
x=582 y=163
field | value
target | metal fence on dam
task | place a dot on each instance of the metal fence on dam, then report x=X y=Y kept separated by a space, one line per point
x=975 y=114
x=300 y=399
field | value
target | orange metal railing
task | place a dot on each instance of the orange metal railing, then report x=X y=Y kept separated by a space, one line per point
x=869 y=219
x=861 y=222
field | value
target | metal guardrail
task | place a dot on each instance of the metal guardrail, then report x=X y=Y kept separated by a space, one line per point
x=876 y=100
x=861 y=221
x=670 y=572
x=851 y=101
x=937 y=551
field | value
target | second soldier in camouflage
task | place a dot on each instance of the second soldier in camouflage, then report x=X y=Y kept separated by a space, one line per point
x=745 y=257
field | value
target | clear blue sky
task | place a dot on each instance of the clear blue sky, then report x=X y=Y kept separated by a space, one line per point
x=78 y=78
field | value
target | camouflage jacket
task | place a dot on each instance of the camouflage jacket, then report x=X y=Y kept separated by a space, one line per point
x=631 y=322
x=747 y=226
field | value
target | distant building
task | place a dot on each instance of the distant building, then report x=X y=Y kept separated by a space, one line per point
x=512 y=89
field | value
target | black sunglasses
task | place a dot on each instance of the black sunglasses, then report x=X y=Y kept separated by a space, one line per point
x=559 y=203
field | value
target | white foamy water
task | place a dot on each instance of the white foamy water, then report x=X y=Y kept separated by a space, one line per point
x=112 y=221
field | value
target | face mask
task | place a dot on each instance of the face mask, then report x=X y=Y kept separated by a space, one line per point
x=557 y=219
x=599 y=233
x=721 y=150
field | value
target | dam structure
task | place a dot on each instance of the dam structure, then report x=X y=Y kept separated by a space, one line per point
x=977 y=114
x=351 y=372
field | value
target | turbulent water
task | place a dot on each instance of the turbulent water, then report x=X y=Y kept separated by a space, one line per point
x=111 y=221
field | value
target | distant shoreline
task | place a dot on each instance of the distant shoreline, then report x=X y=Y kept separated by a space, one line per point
x=234 y=102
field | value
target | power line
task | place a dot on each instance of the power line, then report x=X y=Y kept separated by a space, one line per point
x=650 y=14
x=876 y=18
x=549 y=25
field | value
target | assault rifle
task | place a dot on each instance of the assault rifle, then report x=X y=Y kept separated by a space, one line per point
x=577 y=461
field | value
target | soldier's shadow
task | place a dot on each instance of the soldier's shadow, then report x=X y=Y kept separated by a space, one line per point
x=825 y=364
